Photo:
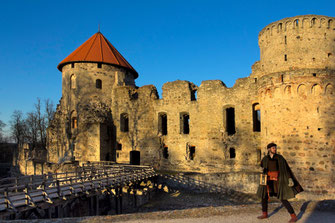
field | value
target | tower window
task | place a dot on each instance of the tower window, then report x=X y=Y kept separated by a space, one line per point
x=72 y=65
x=184 y=123
x=98 y=84
x=230 y=121
x=74 y=122
x=232 y=153
x=285 y=40
x=124 y=122
x=256 y=116
x=99 y=65
x=162 y=123
x=73 y=81
x=285 y=57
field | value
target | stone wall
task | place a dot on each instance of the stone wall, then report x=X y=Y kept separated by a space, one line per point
x=212 y=129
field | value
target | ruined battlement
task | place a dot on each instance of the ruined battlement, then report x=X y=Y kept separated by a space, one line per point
x=179 y=91
x=297 y=43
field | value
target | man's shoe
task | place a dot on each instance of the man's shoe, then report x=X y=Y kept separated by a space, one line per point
x=293 y=218
x=263 y=216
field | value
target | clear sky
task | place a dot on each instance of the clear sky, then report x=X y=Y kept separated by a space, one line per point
x=164 y=40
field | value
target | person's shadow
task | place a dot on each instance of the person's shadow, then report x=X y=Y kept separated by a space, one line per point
x=301 y=213
x=303 y=209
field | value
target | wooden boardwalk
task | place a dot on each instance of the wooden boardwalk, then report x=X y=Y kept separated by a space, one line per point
x=28 y=192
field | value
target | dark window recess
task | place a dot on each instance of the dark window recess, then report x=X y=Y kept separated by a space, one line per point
x=185 y=123
x=118 y=146
x=232 y=153
x=166 y=152
x=191 y=152
x=329 y=54
x=285 y=57
x=74 y=123
x=314 y=74
x=285 y=40
x=162 y=124
x=98 y=84
x=99 y=65
x=124 y=122
x=72 y=65
x=256 y=117
x=193 y=95
x=230 y=121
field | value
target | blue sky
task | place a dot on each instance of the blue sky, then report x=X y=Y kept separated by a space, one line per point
x=163 y=40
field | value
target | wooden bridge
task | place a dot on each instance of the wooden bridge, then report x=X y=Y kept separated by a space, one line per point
x=48 y=195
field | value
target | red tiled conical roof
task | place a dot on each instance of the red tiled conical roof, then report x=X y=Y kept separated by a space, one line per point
x=97 y=49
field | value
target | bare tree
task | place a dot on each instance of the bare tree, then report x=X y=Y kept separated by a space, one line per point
x=2 y=125
x=18 y=131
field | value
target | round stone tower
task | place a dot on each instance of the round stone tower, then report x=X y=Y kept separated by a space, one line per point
x=89 y=76
x=297 y=43
x=296 y=79
x=93 y=69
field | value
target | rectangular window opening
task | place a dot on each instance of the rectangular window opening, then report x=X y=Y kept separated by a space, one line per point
x=124 y=122
x=191 y=152
x=185 y=123
x=256 y=113
x=162 y=124
x=230 y=121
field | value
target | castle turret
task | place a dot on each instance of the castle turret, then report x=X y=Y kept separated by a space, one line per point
x=298 y=42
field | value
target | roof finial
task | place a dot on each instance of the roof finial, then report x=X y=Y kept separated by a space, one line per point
x=98 y=28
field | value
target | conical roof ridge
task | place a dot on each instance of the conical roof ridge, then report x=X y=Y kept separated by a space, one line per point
x=97 y=49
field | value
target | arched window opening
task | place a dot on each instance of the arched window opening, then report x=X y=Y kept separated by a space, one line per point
x=193 y=95
x=184 y=123
x=162 y=123
x=124 y=122
x=191 y=152
x=285 y=57
x=73 y=81
x=165 y=152
x=296 y=23
x=313 y=21
x=98 y=84
x=256 y=117
x=230 y=121
x=232 y=153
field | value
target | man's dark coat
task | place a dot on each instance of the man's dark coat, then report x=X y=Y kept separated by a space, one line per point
x=284 y=191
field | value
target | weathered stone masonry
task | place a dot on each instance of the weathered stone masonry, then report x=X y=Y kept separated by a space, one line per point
x=210 y=128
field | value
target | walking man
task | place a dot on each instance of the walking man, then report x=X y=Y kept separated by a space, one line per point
x=280 y=182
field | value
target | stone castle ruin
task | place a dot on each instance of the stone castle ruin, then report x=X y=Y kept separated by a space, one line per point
x=210 y=129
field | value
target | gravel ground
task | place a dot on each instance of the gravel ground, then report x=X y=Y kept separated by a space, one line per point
x=184 y=207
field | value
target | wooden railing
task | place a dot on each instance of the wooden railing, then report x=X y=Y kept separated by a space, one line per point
x=30 y=191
